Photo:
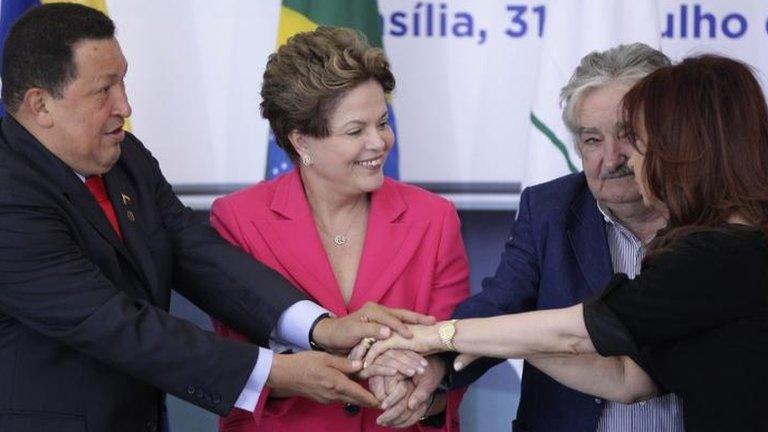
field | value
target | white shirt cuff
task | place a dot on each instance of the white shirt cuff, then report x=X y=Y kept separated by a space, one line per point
x=249 y=397
x=293 y=326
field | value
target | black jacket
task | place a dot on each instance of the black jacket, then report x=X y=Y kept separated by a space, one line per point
x=86 y=342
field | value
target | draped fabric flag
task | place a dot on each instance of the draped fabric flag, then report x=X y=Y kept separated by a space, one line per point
x=298 y=16
x=10 y=11
x=572 y=30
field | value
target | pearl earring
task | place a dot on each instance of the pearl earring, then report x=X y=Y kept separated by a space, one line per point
x=306 y=160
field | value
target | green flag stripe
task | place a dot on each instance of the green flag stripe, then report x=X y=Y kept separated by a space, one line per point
x=555 y=141
x=362 y=15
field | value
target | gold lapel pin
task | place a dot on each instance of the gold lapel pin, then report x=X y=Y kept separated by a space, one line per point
x=131 y=216
x=126 y=199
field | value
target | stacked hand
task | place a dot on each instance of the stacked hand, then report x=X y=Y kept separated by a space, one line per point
x=424 y=339
x=323 y=377
x=370 y=321
x=402 y=381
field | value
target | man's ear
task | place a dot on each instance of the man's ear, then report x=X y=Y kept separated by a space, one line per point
x=35 y=106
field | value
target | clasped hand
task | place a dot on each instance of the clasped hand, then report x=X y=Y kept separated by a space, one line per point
x=402 y=381
x=425 y=339
x=323 y=377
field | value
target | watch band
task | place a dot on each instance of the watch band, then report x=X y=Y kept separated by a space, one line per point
x=436 y=420
x=312 y=344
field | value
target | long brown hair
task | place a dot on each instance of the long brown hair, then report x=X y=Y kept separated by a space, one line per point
x=706 y=155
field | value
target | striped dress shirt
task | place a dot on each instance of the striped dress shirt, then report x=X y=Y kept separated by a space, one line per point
x=660 y=414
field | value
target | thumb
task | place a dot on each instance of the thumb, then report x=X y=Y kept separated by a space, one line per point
x=462 y=360
x=359 y=331
x=425 y=386
x=376 y=350
x=420 y=394
x=358 y=351
x=343 y=365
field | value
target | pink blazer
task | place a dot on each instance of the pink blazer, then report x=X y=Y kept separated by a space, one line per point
x=413 y=257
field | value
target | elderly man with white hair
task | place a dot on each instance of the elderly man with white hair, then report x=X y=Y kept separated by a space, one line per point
x=569 y=237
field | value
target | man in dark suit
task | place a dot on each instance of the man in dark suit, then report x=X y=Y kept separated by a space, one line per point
x=92 y=239
x=569 y=237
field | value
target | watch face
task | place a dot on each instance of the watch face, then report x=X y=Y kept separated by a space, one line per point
x=447 y=331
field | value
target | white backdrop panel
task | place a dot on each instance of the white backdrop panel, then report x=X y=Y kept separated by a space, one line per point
x=463 y=96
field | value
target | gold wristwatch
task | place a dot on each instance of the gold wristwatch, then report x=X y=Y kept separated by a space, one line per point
x=447 y=331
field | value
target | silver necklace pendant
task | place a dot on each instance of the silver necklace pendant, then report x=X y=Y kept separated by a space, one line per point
x=340 y=240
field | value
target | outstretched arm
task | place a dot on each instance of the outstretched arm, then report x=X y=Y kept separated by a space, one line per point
x=559 y=332
x=617 y=379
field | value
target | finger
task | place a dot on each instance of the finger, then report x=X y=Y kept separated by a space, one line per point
x=413 y=417
x=412 y=317
x=415 y=357
x=377 y=370
x=391 y=318
x=425 y=386
x=418 y=397
x=376 y=385
x=390 y=383
x=402 y=418
x=404 y=361
x=389 y=322
x=462 y=360
x=370 y=330
x=378 y=349
x=358 y=352
x=422 y=392
x=391 y=361
x=390 y=414
x=394 y=397
x=346 y=366
x=349 y=391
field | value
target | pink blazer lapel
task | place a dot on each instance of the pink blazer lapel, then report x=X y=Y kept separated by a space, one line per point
x=293 y=239
x=390 y=243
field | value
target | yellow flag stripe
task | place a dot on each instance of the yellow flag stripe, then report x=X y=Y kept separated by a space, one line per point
x=292 y=22
x=96 y=4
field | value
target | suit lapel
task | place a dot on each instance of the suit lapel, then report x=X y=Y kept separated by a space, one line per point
x=390 y=243
x=586 y=232
x=122 y=196
x=293 y=239
x=22 y=142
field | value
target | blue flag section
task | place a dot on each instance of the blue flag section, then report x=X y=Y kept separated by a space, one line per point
x=278 y=161
x=10 y=11
x=392 y=165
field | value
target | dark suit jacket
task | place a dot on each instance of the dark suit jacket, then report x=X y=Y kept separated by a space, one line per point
x=86 y=342
x=556 y=256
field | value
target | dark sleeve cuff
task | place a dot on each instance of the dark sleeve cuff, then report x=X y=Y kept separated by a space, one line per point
x=608 y=334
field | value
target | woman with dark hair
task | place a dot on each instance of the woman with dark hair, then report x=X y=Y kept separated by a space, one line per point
x=696 y=318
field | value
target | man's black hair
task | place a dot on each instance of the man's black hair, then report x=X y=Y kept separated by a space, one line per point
x=38 y=50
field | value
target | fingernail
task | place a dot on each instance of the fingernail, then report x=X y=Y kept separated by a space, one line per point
x=421 y=371
x=365 y=364
x=424 y=363
x=411 y=372
x=383 y=405
x=384 y=331
x=457 y=366
x=356 y=364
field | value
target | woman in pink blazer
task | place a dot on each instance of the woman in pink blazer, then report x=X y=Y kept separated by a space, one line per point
x=338 y=229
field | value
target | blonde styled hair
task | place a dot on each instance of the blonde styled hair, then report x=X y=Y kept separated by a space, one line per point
x=306 y=78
